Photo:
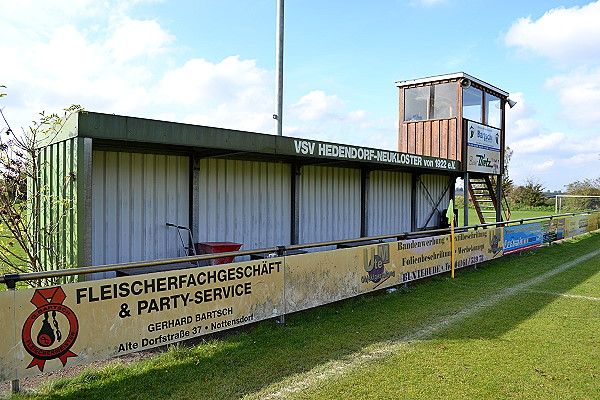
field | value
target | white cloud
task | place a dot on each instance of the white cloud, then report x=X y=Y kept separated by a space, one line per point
x=427 y=3
x=317 y=105
x=131 y=39
x=520 y=120
x=318 y=115
x=35 y=20
x=546 y=165
x=234 y=94
x=540 y=143
x=568 y=36
x=585 y=160
x=555 y=158
x=199 y=82
x=579 y=96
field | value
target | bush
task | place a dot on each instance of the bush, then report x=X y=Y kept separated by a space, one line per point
x=530 y=195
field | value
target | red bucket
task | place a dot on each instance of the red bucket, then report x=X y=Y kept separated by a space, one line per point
x=218 y=247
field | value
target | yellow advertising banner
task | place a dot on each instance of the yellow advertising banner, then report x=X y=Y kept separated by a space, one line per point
x=576 y=225
x=474 y=247
x=422 y=257
x=323 y=277
x=81 y=322
x=592 y=222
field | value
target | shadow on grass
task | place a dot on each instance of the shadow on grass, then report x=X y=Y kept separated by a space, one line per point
x=266 y=353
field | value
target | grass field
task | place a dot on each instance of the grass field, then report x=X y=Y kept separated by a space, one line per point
x=514 y=215
x=522 y=327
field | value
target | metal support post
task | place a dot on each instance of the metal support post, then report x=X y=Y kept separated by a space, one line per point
x=281 y=253
x=499 y=198
x=15 y=384
x=279 y=67
x=466 y=199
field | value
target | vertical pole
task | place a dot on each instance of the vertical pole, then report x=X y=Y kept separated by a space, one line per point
x=413 y=201
x=499 y=198
x=466 y=200
x=364 y=201
x=452 y=245
x=295 y=221
x=279 y=66
x=15 y=384
x=281 y=253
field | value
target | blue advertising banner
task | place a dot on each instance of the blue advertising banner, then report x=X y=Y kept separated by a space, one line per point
x=553 y=229
x=522 y=237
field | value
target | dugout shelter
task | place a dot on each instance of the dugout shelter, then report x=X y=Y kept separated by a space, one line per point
x=133 y=176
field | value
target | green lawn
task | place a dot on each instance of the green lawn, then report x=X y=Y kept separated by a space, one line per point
x=4 y=269
x=523 y=327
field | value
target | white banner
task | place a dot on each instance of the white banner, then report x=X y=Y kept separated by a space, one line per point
x=483 y=148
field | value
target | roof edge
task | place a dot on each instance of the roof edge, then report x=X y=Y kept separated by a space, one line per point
x=453 y=76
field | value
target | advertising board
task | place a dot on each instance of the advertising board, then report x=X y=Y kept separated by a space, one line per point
x=81 y=322
x=324 y=277
x=522 y=237
x=483 y=148
x=576 y=225
x=553 y=229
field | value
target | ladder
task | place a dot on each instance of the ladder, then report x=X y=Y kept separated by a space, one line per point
x=483 y=197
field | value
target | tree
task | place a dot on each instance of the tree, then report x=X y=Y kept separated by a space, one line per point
x=531 y=195
x=28 y=232
x=507 y=183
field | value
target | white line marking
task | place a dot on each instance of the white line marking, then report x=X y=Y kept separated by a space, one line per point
x=572 y=296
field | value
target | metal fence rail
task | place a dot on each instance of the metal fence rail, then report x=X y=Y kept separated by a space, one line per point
x=11 y=279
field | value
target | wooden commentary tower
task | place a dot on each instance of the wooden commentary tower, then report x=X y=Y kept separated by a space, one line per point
x=459 y=117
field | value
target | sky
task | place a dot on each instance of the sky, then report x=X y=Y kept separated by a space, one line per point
x=213 y=63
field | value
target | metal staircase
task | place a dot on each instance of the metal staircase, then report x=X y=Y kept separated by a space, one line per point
x=483 y=198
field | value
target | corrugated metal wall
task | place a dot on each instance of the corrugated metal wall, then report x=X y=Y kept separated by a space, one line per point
x=245 y=202
x=60 y=192
x=329 y=204
x=134 y=196
x=389 y=203
x=435 y=185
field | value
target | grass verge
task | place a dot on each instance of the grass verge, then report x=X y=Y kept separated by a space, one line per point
x=499 y=331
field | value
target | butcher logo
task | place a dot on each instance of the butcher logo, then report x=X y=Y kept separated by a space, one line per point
x=51 y=329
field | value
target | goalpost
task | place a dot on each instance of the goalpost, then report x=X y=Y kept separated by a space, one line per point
x=595 y=201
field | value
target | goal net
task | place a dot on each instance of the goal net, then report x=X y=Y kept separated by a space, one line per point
x=573 y=203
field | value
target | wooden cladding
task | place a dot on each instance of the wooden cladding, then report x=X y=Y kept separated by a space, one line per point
x=436 y=138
